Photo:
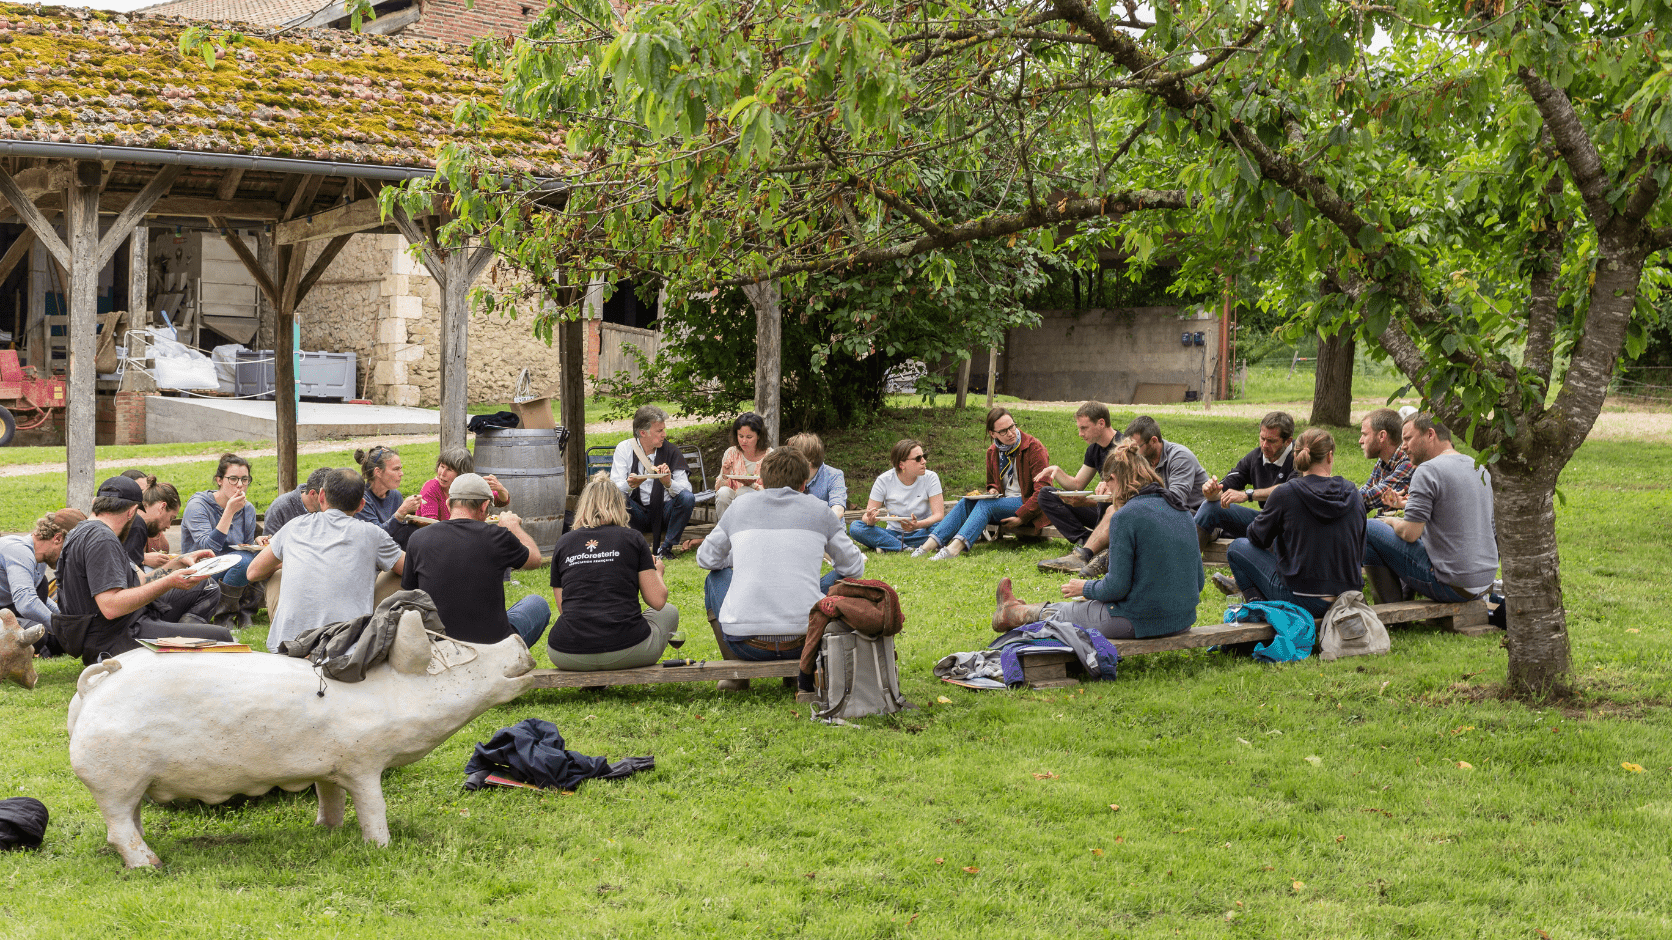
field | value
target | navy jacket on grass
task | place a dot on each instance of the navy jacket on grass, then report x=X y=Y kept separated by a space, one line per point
x=1155 y=566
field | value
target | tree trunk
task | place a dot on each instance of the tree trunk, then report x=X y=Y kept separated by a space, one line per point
x=1525 y=513
x=1332 y=390
x=767 y=300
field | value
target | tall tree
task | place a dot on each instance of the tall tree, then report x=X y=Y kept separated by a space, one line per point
x=1479 y=196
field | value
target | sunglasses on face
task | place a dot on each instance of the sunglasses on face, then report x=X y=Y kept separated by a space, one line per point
x=920 y=458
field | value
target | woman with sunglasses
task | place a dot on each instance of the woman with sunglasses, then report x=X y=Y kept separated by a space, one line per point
x=910 y=493
x=1014 y=459
x=218 y=519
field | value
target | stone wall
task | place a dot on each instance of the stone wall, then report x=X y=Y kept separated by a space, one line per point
x=1105 y=354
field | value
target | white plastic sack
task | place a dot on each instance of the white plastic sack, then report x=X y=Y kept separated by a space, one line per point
x=178 y=366
x=226 y=361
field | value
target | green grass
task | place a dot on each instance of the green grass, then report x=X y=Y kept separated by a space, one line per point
x=1304 y=800
x=1273 y=382
x=14 y=456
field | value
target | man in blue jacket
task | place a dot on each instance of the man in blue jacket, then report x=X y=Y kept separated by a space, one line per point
x=1230 y=503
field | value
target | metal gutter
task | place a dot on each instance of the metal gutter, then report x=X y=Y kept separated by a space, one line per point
x=229 y=161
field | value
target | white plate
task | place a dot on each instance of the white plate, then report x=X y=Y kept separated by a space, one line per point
x=212 y=566
x=984 y=496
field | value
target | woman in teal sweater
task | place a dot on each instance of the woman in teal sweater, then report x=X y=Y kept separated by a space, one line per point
x=1155 y=564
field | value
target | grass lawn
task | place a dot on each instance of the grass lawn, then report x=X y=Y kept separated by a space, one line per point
x=1199 y=795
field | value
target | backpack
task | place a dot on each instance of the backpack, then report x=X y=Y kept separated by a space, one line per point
x=857 y=675
x=1351 y=628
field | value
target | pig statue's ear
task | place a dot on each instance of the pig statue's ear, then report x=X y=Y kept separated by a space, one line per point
x=410 y=654
x=33 y=635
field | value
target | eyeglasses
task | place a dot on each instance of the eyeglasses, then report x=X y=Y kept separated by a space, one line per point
x=237 y=481
x=1004 y=431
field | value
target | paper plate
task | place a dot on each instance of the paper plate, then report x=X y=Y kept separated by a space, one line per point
x=212 y=566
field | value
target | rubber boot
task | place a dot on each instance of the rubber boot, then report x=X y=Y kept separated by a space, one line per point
x=1011 y=612
x=725 y=685
x=255 y=598
x=1384 y=585
x=226 y=612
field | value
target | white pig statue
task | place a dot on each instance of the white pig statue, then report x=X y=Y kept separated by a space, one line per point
x=209 y=725
x=17 y=649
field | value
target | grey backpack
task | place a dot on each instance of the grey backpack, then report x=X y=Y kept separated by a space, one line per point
x=1351 y=628
x=857 y=675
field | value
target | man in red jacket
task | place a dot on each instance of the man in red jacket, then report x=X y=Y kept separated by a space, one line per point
x=1014 y=459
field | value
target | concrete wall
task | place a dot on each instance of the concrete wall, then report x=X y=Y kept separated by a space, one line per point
x=1105 y=354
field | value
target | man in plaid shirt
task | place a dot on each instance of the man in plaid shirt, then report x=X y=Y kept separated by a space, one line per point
x=1379 y=436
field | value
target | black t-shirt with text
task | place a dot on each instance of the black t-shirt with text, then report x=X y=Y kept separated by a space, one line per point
x=93 y=562
x=598 y=572
x=461 y=564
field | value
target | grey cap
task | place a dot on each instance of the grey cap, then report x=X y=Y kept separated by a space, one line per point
x=469 y=486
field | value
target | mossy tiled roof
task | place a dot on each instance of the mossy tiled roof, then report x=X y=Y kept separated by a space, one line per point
x=88 y=76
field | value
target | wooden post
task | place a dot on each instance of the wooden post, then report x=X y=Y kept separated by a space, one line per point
x=455 y=348
x=81 y=214
x=265 y=314
x=766 y=298
x=963 y=383
x=39 y=340
x=992 y=374
x=139 y=252
x=571 y=347
x=284 y=363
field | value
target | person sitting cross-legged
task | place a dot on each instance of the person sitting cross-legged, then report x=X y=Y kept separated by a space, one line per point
x=1307 y=545
x=1015 y=460
x=101 y=589
x=218 y=519
x=651 y=474
x=159 y=504
x=331 y=561
x=1155 y=568
x=24 y=560
x=433 y=496
x=1075 y=517
x=1181 y=474
x=827 y=484
x=461 y=563
x=1382 y=440
x=910 y=493
x=1446 y=546
x=600 y=571
x=300 y=501
x=1225 y=512
x=763 y=560
x=740 y=465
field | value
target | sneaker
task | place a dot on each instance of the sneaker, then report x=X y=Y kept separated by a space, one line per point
x=1097 y=567
x=1070 y=563
x=923 y=549
x=942 y=555
x=1226 y=584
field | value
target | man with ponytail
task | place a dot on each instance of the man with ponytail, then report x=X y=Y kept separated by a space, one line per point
x=1307 y=545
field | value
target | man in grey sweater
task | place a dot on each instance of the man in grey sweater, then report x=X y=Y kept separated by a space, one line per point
x=764 y=559
x=1446 y=547
x=300 y=501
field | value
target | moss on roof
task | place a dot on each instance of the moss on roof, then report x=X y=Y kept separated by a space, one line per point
x=72 y=75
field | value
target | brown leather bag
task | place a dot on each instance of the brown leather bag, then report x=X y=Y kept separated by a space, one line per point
x=868 y=606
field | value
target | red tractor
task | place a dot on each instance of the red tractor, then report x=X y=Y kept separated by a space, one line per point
x=25 y=397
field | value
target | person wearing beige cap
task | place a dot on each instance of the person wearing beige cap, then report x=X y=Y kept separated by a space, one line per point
x=460 y=563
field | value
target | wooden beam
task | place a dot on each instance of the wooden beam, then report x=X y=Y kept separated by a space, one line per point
x=324 y=16
x=139 y=269
x=228 y=187
x=317 y=269
x=135 y=210
x=284 y=371
x=480 y=258
x=697 y=672
x=262 y=278
x=32 y=217
x=302 y=198
x=571 y=347
x=81 y=222
x=455 y=347
x=419 y=239
x=343 y=220
x=191 y=207
x=387 y=24
x=16 y=253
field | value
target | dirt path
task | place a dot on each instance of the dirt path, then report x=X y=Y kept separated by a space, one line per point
x=605 y=429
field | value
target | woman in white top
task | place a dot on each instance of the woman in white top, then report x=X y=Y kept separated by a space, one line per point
x=911 y=493
x=740 y=465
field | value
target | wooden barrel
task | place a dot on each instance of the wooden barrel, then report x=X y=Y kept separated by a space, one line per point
x=529 y=462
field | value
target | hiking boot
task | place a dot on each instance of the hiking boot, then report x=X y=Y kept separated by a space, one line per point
x=1097 y=567
x=1070 y=563
x=1226 y=584
x=1010 y=612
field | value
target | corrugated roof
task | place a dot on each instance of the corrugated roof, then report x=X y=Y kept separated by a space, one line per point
x=94 y=77
x=258 y=12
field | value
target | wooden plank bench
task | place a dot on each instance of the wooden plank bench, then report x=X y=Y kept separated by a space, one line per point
x=1051 y=670
x=697 y=672
x=1215 y=554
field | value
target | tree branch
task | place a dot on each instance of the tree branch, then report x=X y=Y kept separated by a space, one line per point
x=1578 y=152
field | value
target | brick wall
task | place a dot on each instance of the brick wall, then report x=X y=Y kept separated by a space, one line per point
x=1105 y=354
x=455 y=21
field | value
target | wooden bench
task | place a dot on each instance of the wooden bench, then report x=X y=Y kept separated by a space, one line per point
x=1051 y=670
x=1215 y=554
x=697 y=672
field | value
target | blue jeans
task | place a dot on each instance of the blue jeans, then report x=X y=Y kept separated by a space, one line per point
x=234 y=576
x=971 y=517
x=718 y=584
x=676 y=512
x=529 y=617
x=1408 y=560
x=1231 y=521
x=872 y=536
x=1256 y=572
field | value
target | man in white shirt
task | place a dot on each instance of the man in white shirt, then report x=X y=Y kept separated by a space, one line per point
x=651 y=473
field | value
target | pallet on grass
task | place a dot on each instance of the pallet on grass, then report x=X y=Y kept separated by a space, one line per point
x=697 y=672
